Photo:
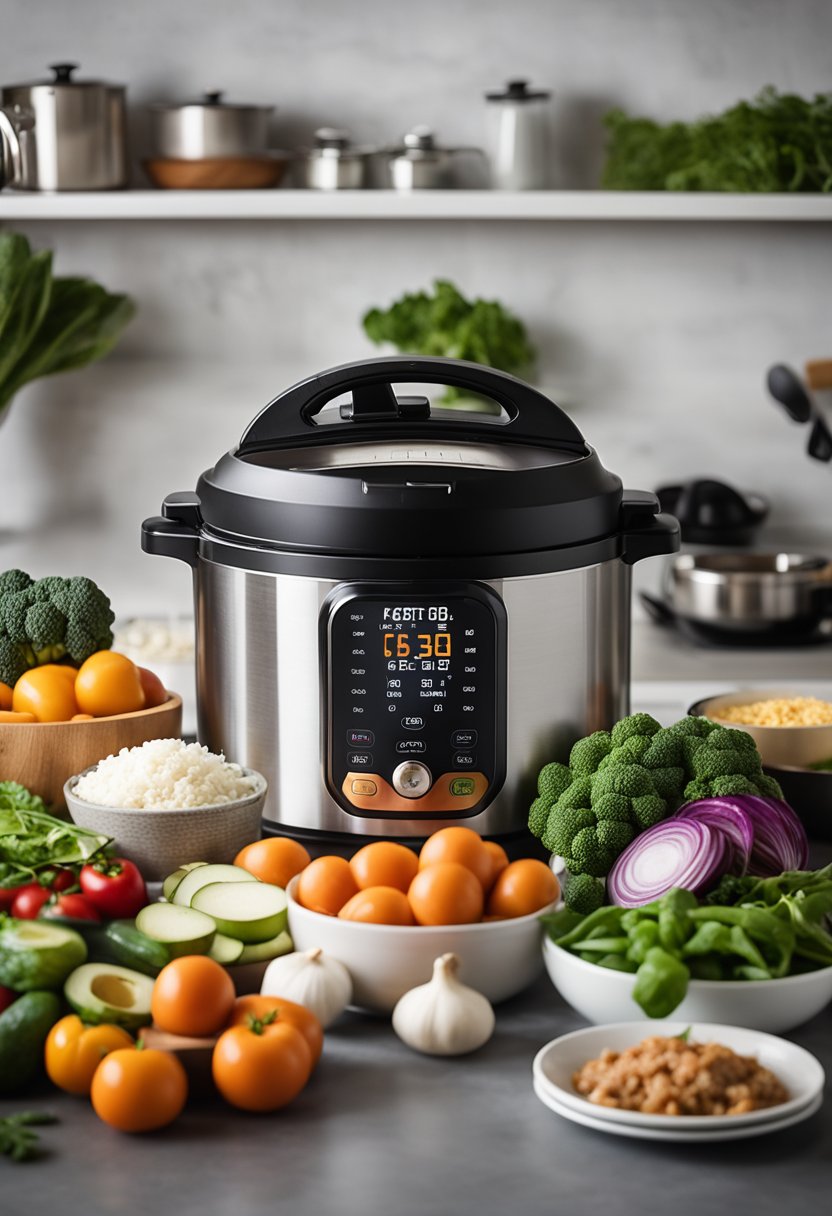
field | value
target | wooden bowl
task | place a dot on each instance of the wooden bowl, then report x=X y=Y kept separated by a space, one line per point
x=44 y=755
x=217 y=173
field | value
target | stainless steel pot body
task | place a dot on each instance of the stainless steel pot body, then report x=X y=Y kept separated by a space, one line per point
x=328 y=169
x=750 y=591
x=206 y=129
x=78 y=141
x=260 y=699
x=13 y=122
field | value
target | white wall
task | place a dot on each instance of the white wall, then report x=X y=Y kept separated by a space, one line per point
x=656 y=336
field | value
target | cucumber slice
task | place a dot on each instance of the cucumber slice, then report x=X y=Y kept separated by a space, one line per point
x=194 y=880
x=103 y=992
x=183 y=930
x=173 y=880
x=262 y=952
x=226 y=950
x=249 y=911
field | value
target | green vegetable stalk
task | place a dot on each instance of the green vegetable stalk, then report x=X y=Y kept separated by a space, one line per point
x=50 y=325
x=446 y=324
x=776 y=142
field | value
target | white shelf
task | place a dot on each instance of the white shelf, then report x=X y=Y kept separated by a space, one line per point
x=422 y=205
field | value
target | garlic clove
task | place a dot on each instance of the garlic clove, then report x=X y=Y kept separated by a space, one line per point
x=444 y=1017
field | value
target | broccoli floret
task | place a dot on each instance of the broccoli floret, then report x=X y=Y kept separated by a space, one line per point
x=694 y=727
x=768 y=787
x=614 y=835
x=610 y=806
x=630 y=752
x=669 y=783
x=563 y=825
x=666 y=749
x=50 y=621
x=588 y=753
x=696 y=790
x=582 y=893
x=631 y=780
x=588 y=856
x=647 y=810
x=538 y=814
x=724 y=761
x=576 y=794
x=552 y=780
x=635 y=724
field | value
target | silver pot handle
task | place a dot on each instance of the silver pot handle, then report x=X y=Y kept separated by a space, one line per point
x=11 y=124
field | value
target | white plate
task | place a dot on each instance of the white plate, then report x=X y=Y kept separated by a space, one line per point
x=800 y=1072
x=668 y=1134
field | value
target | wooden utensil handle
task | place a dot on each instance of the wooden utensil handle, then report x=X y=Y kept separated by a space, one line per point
x=819 y=373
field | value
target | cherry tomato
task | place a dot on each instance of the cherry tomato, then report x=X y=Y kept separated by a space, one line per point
x=29 y=901
x=108 y=683
x=138 y=1089
x=7 y=997
x=61 y=881
x=155 y=692
x=74 y=905
x=9 y=894
x=47 y=692
x=74 y=1051
x=115 y=887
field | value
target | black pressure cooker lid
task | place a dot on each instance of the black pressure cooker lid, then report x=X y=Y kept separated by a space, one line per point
x=384 y=474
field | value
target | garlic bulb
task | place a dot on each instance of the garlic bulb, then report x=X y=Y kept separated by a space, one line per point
x=444 y=1017
x=312 y=979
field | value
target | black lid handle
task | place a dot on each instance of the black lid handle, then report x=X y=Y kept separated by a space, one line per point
x=63 y=72
x=530 y=417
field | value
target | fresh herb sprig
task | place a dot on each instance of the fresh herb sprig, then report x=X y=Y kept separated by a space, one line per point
x=17 y=1140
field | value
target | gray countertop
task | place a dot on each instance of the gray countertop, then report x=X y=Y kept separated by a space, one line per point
x=663 y=654
x=381 y=1131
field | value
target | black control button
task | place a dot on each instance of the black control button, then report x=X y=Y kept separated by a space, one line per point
x=413 y=723
x=464 y=739
x=360 y=760
x=464 y=760
x=360 y=738
x=411 y=747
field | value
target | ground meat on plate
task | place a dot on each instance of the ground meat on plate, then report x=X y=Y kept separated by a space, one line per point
x=662 y=1076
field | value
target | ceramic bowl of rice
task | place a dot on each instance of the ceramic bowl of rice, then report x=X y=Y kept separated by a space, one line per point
x=168 y=803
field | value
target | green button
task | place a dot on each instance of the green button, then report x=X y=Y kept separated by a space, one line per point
x=461 y=787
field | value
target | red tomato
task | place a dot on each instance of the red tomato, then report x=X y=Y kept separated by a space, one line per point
x=7 y=997
x=74 y=905
x=62 y=880
x=29 y=901
x=155 y=692
x=8 y=896
x=114 y=886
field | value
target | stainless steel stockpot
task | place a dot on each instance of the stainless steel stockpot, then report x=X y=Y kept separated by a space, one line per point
x=403 y=611
x=78 y=141
x=209 y=127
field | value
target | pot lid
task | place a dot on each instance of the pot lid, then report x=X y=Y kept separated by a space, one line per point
x=346 y=463
x=711 y=512
x=518 y=90
x=62 y=78
x=212 y=100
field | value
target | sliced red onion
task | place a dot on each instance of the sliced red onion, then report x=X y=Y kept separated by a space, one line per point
x=674 y=853
x=726 y=816
x=780 y=841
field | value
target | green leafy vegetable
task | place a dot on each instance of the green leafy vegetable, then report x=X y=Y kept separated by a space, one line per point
x=50 y=325
x=31 y=838
x=446 y=324
x=661 y=983
x=16 y=1138
x=776 y=142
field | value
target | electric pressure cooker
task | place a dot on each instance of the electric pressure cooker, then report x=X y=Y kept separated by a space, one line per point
x=404 y=610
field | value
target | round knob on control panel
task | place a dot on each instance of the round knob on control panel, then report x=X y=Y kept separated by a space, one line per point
x=412 y=779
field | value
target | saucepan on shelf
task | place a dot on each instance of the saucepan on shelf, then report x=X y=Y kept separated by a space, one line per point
x=757 y=599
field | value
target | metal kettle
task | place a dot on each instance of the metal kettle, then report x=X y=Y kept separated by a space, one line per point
x=13 y=120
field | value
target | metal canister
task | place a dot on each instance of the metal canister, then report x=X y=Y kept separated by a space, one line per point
x=78 y=141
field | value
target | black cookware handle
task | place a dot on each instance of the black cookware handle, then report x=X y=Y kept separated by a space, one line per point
x=175 y=533
x=645 y=532
x=289 y=419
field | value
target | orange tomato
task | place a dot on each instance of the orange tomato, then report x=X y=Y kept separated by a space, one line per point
x=303 y=1019
x=384 y=864
x=82 y=718
x=74 y=1051
x=326 y=884
x=259 y=1067
x=378 y=906
x=192 y=995
x=499 y=861
x=109 y=683
x=46 y=692
x=8 y=716
x=524 y=887
x=139 y=1089
x=5 y=696
x=154 y=690
x=276 y=859
x=446 y=894
x=462 y=845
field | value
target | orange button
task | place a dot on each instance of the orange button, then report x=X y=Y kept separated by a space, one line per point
x=362 y=786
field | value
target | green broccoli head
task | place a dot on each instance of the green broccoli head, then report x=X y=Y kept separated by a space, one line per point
x=694 y=727
x=587 y=855
x=630 y=752
x=578 y=793
x=49 y=621
x=635 y=724
x=538 y=814
x=647 y=810
x=725 y=761
x=563 y=825
x=582 y=893
x=669 y=783
x=768 y=786
x=588 y=753
x=614 y=836
x=610 y=806
x=666 y=749
x=630 y=780
x=552 y=780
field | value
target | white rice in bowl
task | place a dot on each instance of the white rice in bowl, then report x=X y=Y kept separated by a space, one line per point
x=164 y=775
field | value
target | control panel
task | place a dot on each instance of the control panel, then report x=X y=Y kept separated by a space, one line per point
x=414 y=690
